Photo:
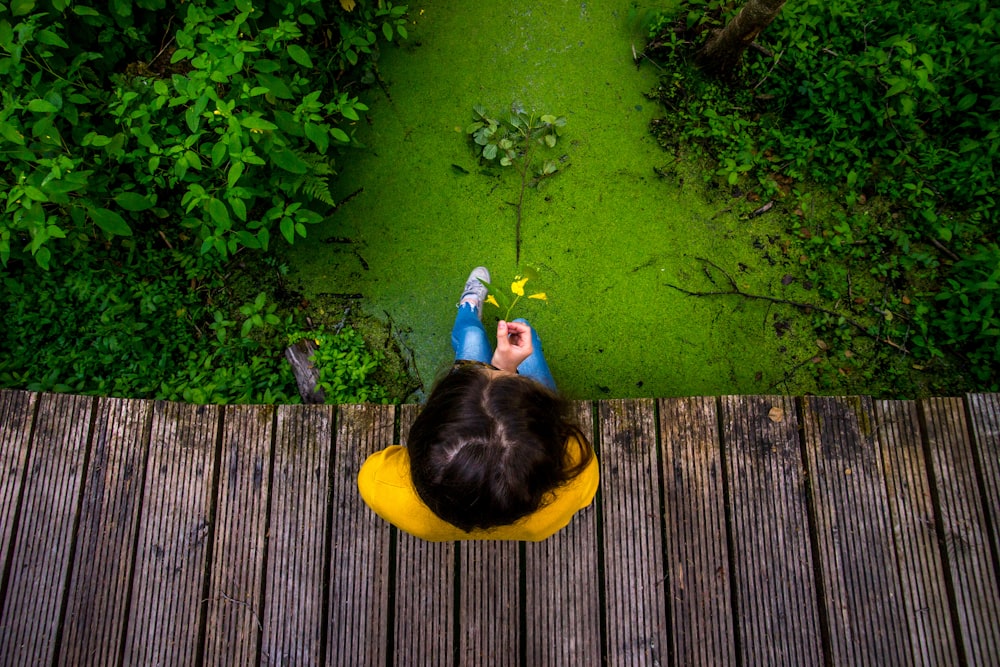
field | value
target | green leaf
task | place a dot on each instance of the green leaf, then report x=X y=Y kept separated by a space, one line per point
x=42 y=106
x=340 y=135
x=299 y=55
x=967 y=102
x=316 y=134
x=34 y=193
x=109 y=221
x=387 y=31
x=219 y=213
x=235 y=171
x=257 y=123
x=288 y=160
x=50 y=38
x=276 y=86
x=133 y=201
x=21 y=7
x=288 y=229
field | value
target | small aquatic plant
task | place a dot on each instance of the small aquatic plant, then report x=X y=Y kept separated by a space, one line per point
x=512 y=142
x=506 y=302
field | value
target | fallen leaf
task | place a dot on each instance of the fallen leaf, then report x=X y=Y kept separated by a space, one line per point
x=776 y=414
x=821 y=344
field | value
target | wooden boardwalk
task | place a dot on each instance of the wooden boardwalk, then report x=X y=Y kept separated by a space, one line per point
x=727 y=531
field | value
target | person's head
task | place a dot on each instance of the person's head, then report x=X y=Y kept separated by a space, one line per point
x=489 y=446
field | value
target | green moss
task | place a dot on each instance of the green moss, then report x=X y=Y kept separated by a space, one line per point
x=608 y=234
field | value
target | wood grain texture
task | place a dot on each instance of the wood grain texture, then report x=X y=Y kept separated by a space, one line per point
x=17 y=413
x=40 y=558
x=424 y=615
x=856 y=553
x=167 y=603
x=924 y=604
x=359 y=551
x=293 y=612
x=637 y=631
x=563 y=588
x=702 y=628
x=966 y=534
x=109 y=521
x=778 y=614
x=233 y=622
x=489 y=604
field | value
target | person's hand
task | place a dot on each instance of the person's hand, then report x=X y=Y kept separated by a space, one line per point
x=513 y=345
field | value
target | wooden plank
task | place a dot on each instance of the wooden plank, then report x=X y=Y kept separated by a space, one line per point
x=562 y=595
x=237 y=570
x=109 y=521
x=969 y=559
x=424 y=614
x=985 y=411
x=41 y=553
x=924 y=604
x=168 y=582
x=856 y=552
x=17 y=412
x=778 y=620
x=702 y=628
x=293 y=597
x=636 y=624
x=490 y=604
x=359 y=549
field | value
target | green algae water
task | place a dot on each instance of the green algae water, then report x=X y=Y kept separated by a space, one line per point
x=607 y=234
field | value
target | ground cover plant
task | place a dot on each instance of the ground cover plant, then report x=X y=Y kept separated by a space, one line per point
x=870 y=128
x=148 y=148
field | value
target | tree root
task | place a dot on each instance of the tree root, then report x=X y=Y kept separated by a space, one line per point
x=734 y=290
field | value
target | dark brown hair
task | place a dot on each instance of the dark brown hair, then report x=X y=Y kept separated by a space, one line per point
x=486 y=450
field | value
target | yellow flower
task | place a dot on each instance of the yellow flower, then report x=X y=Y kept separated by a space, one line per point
x=541 y=296
x=347 y=4
x=517 y=287
x=492 y=300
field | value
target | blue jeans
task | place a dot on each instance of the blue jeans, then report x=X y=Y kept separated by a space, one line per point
x=468 y=338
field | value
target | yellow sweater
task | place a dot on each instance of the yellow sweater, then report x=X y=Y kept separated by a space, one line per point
x=385 y=485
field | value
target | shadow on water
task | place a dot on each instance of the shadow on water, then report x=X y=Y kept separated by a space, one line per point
x=607 y=234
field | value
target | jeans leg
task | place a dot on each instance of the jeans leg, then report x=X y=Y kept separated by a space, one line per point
x=468 y=337
x=535 y=366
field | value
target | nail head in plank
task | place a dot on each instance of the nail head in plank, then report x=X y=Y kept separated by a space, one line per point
x=694 y=510
x=563 y=588
x=233 y=622
x=359 y=552
x=424 y=593
x=165 y=612
x=109 y=521
x=635 y=579
x=293 y=598
x=40 y=558
x=969 y=557
x=777 y=610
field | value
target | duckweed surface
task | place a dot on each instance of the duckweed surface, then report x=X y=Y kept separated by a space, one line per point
x=607 y=234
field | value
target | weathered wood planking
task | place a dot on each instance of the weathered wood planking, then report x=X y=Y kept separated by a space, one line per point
x=41 y=552
x=778 y=619
x=694 y=510
x=17 y=412
x=424 y=614
x=924 y=604
x=562 y=594
x=166 y=609
x=985 y=410
x=636 y=623
x=293 y=599
x=359 y=552
x=860 y=573
x=109 y=521
x=489 y=604
x=969 y=558
x=237 y=570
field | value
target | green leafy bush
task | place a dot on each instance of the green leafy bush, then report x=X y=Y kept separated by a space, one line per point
x=888 y=106
x=346 y=367
x=219 y=125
